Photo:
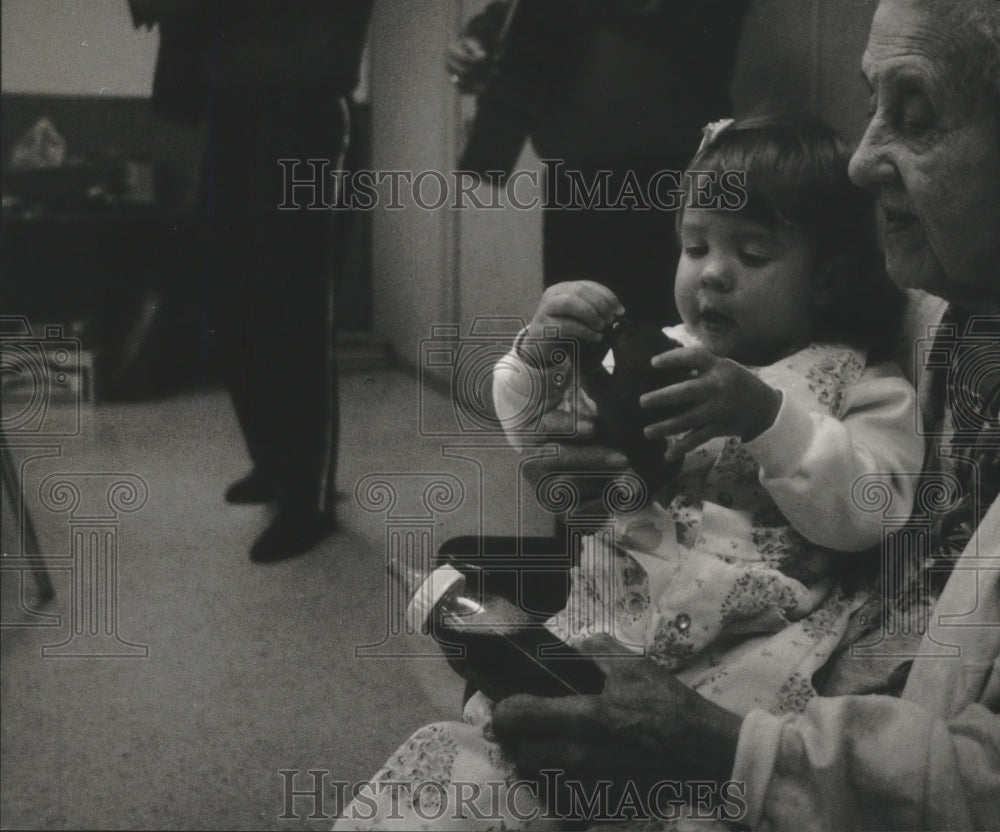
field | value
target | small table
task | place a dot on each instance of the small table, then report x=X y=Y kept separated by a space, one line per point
x=103 y=268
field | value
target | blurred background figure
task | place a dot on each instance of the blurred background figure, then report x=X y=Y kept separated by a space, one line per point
x=611 y=94
x=272 y=79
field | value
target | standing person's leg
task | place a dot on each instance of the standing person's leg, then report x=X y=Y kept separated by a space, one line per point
x=294 y=379
x=231 y=308
x=631 y=249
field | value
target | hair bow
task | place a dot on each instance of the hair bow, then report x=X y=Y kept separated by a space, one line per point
x=711 y=131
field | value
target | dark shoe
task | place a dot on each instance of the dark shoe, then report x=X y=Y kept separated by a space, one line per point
x=253 y=488
x=291 y=534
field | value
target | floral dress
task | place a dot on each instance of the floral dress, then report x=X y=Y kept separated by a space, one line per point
x=712 y=581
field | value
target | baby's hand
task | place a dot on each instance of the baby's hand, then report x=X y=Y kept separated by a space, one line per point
x=580 y=309
x=722 y=398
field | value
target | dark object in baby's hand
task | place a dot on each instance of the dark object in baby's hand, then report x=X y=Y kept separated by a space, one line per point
x=620 y=420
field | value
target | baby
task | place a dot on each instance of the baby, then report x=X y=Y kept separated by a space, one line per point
x=742 y=571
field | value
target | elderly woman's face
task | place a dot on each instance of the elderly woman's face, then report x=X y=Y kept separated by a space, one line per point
x=933 y=160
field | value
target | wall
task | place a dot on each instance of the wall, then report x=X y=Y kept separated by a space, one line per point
x=413 y=127
x=500 y=250
x=83 y=65
x=69 y=47
x=437 y=266
x=806 y=53
x=440 y=266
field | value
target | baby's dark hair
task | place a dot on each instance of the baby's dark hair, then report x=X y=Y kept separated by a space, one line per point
x=793 y=173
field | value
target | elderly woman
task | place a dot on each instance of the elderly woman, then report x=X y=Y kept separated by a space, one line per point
x=929 y=759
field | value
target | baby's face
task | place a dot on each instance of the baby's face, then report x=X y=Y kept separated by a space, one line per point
x=747 y=291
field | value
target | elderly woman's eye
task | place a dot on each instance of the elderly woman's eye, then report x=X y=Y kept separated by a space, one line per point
x=916 y=112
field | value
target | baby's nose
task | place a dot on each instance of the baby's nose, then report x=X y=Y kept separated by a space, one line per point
x=716 y=278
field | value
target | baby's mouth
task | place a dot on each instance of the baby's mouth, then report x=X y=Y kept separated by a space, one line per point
x=714 y=321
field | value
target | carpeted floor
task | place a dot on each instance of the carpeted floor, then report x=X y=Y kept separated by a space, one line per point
x=249 y=670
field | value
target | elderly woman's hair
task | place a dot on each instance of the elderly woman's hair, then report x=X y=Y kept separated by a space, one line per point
x=975 y=54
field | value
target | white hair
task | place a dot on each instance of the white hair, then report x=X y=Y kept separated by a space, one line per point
x=975 y=54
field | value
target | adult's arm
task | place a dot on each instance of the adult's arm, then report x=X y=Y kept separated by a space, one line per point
x=871 y=762
x=854 y=762
x=535 y=46
x=930 y=760
x=810 y=463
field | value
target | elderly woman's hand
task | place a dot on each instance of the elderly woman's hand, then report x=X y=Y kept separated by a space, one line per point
x=645 y=727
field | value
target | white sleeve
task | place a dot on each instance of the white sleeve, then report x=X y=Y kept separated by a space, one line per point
x=522 y=390
x=810 y=462
x=870 y=762
x=929 y=760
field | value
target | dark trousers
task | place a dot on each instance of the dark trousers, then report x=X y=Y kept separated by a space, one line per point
x=631 y=251
x=269 y=288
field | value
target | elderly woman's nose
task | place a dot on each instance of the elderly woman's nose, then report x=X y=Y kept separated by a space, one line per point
x=869 y=166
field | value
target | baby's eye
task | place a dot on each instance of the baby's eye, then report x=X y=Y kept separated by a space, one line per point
x=696 y=250
x=754 y=259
